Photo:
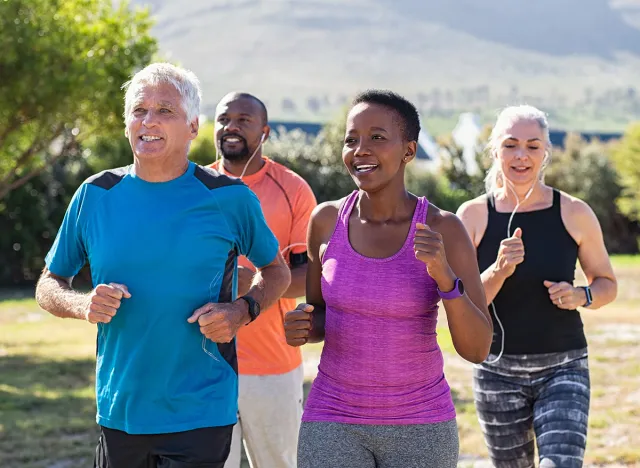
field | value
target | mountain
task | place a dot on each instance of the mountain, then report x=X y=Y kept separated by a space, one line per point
x=577 y=59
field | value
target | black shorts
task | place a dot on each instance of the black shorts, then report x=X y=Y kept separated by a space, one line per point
x=200 y=448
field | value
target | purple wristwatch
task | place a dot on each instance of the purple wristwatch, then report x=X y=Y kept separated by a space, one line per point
x=457 y=291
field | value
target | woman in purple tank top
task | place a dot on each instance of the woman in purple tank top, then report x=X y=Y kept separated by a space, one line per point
x=380 y=260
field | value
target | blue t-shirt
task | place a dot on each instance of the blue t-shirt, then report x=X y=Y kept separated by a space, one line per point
x=174 y=245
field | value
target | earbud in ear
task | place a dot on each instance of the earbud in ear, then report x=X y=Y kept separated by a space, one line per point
x=262 y=138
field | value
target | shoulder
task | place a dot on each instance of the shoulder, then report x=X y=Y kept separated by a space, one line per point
x=212 y=179
x=444 y=222
x=574 y=207
x=474 y=215
x=286 y=177
x=578 y=217
x=473 y=210
x=107 y=179
x=326 y=212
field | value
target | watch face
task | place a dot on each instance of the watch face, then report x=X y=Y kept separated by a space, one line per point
x=460 y=287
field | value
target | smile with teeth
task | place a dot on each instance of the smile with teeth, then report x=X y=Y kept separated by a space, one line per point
x=149 y=138
x=365 y=168
x=520 y=169
x=232 y=139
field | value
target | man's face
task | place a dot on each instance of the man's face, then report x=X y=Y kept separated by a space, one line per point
x=157 y=126
x=239 y=127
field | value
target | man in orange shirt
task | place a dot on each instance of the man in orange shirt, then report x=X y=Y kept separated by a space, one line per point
x=271 y=373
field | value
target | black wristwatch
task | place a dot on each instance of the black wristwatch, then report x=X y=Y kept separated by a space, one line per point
x=254 y=307
x=587 y=292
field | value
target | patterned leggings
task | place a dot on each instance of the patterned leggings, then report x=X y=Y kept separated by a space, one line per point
x=542 y=394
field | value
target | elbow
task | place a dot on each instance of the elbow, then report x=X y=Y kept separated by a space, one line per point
x=477 y=356
x=286 y=277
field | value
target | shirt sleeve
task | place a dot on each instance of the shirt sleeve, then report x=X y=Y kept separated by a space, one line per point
x=68 y=253
x=305 y=203
x=255 y=239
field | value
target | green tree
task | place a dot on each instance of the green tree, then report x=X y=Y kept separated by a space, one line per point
x=584 y=169
x=626 y=157
x=203 y=148
x=63 y=63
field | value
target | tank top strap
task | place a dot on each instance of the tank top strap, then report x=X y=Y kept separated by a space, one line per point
x=556 y=203
x=491 y=202
x=345 y=210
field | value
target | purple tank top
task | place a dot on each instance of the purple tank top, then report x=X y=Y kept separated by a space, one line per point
x=381 y=363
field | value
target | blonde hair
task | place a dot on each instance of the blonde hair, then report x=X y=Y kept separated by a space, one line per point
x=185 y=82
x=506 y=118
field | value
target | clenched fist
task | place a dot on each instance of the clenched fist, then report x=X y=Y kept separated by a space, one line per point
x=298 y=324
x=220 y=322
x=104 y=302
x=429 y=248
x=510 y=254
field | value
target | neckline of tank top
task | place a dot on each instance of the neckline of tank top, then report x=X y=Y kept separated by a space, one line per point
x=405 y=245
x=541 y=210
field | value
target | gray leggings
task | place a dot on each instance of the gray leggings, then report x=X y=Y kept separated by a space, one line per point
x=543 y=398
x=329 y=445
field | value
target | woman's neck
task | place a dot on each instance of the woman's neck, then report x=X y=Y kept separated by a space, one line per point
x=387 y=205
x=523 y=195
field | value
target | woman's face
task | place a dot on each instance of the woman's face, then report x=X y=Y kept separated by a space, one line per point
x=375 y=149
x=521 y=152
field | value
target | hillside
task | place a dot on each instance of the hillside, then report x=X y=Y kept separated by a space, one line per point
x=579 y=59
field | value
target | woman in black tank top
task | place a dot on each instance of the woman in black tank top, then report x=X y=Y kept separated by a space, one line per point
x=534 y=386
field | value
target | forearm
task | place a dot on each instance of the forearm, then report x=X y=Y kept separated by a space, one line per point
x=298 y=282
x=471 y=329
x=269 y=284
x=56 y=296
x=492 y=282
x=603 y=291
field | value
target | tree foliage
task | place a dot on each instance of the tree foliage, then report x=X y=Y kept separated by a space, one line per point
x=63 y=63
x=626 y=156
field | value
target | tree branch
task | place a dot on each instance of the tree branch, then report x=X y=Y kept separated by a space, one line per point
x=6 y=186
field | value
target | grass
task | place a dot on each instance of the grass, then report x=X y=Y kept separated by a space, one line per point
x=47 y=402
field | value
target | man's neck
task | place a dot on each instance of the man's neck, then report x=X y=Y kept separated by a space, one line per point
x=236 y=168
x=160 y=171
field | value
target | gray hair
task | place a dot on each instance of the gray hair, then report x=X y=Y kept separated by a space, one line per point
x=185 y=82
x=507 y=117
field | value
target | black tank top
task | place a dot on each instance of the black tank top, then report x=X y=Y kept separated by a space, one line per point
x=532 y=323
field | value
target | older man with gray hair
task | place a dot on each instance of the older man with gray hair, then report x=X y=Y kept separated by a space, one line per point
x=162 y=237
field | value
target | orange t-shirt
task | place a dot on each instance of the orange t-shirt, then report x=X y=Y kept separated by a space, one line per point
x=287 y=202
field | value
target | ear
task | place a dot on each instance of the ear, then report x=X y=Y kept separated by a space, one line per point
x=266 y=130
x=410 y=152
x=126 y=132
x=194 y=127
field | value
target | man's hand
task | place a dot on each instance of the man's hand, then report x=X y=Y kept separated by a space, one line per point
x=220 y=322
x=245 y=279
x=104 y=301
x=566 y=296
x=298 y=324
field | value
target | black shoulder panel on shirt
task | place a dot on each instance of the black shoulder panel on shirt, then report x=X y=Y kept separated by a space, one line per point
x=212 y=179
x=109 y=178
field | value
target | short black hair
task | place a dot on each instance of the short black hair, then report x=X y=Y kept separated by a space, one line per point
x=410 y=120
x=263 y=108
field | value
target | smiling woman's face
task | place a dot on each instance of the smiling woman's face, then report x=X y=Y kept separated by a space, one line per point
x=521 y=152
x=374 y=145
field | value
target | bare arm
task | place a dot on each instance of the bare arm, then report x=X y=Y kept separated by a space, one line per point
x=449 y=254
x=270 y=282
x=55 y=295
x=298 y=282
x=306 y=323
x=584 y=227
x=474 y=217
